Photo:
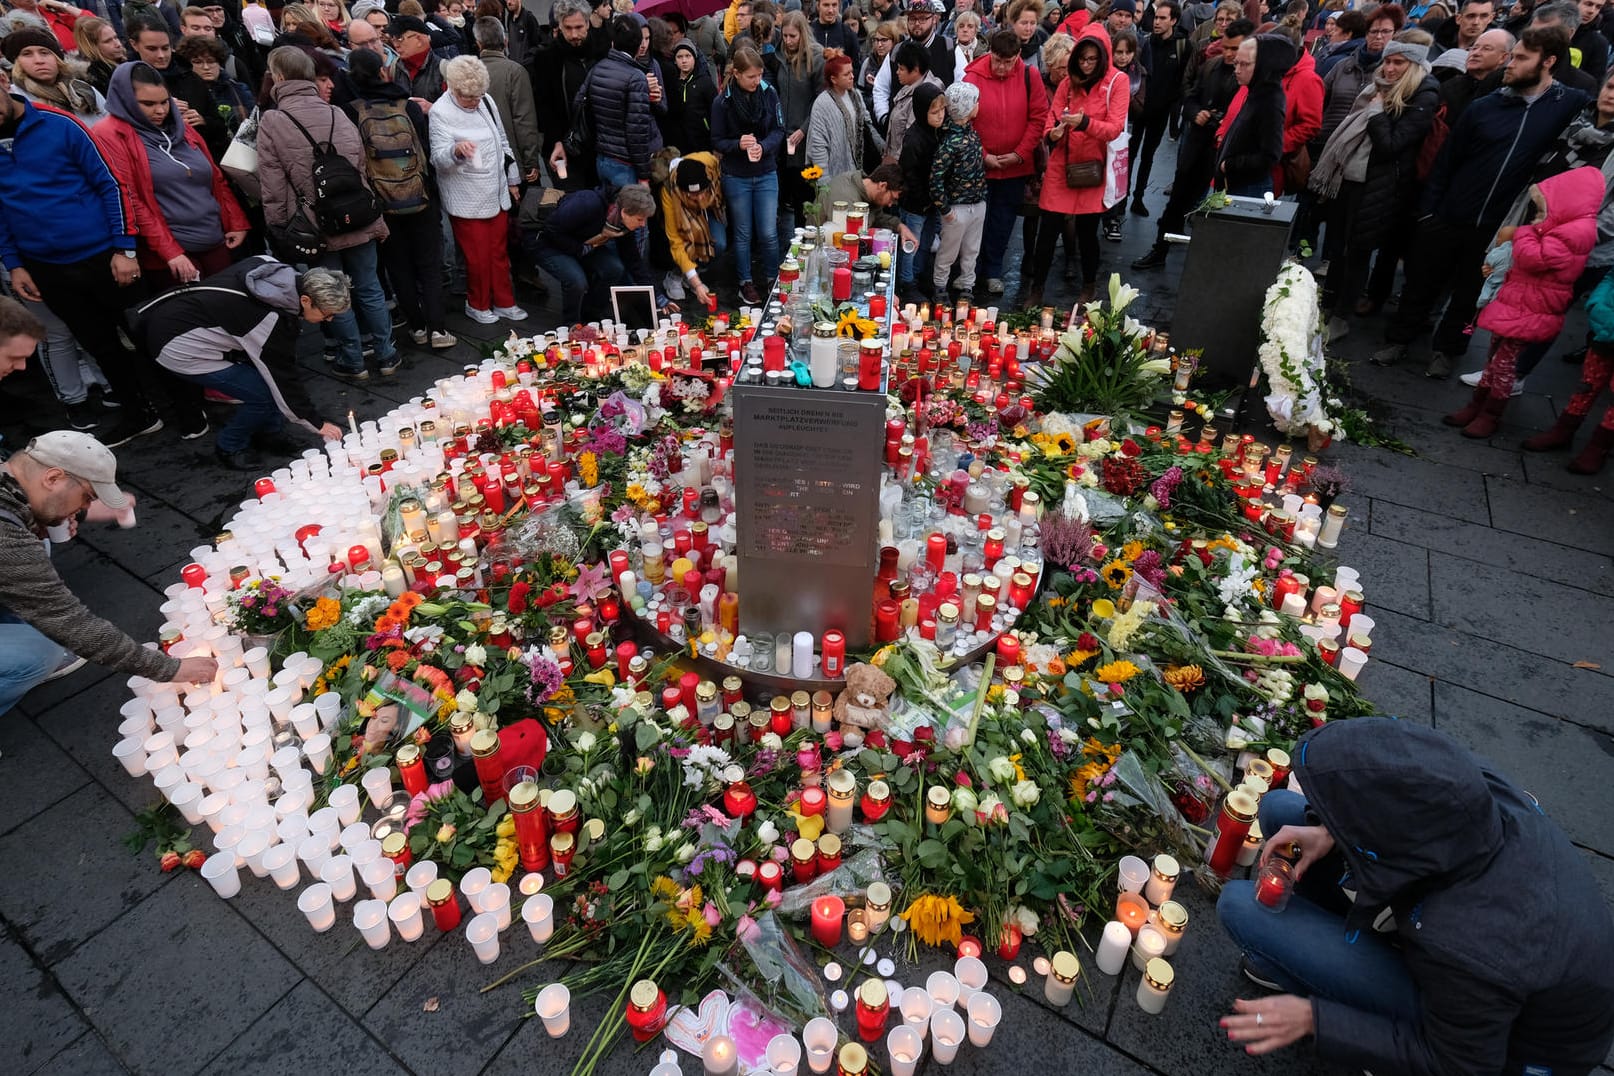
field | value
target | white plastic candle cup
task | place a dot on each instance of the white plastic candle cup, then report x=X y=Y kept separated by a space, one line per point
x=232 y=680
x=942 y=986
x=1351 y=661
x=212 y=809
x=406 y=916
x=783 y=1056
x=553 y=1004
x=985 y=1012
x=325 y=820
x=252 y=849
x=483 y=934
x=370 y=916
x=946 y=1032
x=377 y=784
x=819 y=1038
x=315 y=903
x=279 y=701
x=904 y=1046
x=1362 y=624
x=132 y=754
x=219 y=870
x=345 y=798
x=169 y=778
x=380 y=879
x=1150 y=943
x=227 y=839
x=472 y=886
x=187 y=800
x=257 y=660
x=916 y=1007
x=971 y=976
x=365 y=851
x=286 y=761
x=355 y=835
x=335 y=871
x=318 y=750
x=538 y=912
x=1134 y=872
x=281 y=863
x=496 y=899
x=293 y=824
x=420 y=875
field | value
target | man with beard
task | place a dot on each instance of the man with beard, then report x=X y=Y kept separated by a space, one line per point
x=1485 y=163
x=562 y=68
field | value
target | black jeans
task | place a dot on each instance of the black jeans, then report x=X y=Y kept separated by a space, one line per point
x=413 y=256
x=1196 y=166
x=1444 y=259
x=90 y=303
x=1148 y=133
x=1077 y=228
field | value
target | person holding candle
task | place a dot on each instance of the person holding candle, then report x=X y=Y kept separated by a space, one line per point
x=692 y=215
x=237 y=333
x=58 y=477
x=1505 y=960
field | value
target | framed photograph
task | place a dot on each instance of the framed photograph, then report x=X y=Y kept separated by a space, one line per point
x=634 y=307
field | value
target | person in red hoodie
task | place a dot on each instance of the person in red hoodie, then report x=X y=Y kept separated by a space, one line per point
x=1014 y=106
x=1302 y=118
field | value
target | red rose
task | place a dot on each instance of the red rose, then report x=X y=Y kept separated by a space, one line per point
x=1130 y=447
x=518 y=597
x=902 y=749
x=875 y=739
x=169 y=861
x=924 y=734
x=1316 y=706
x=962 y=779
x=1086 y=641
x=194 y=859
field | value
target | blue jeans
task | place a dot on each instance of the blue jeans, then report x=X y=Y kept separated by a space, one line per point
x=369 y=312
x=257 y=412
x=916 y=266
x=754 y=216
x=615 y=173
x=26 y=658
x=1306 y=948
x=583 y=281
x=1003 y=198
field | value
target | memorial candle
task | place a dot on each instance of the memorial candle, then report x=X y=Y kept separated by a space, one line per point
x=1060 y=983
x=827 y=914
x=1131 y=911
x=842 y=795
x=1162 y=879
x=1238 y=813
x=1112 y=948
x=1155 y=985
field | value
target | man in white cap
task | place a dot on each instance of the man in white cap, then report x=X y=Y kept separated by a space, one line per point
x=44 y=630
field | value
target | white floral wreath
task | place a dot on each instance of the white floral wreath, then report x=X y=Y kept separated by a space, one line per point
x=1292 y=354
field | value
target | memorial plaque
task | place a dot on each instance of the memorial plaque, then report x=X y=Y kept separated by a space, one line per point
x=807 y=468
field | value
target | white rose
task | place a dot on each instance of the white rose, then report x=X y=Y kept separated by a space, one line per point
x=632 y=817
x=686 y=851
x=1027 y=919
x=466 y=700
x=1028 y=736
x=771 y=741
x=476 y=654
x=964 y=801
x=584 y=742
x=767 y=833
x=1000 y=769
x=1025 y=793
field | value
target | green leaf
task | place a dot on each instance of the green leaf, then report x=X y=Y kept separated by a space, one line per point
x=931 y=853
x=462 y=855
x=618 y=881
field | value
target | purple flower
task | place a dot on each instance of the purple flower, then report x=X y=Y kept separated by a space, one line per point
x=546 y=679
x=1149 y=569
x=1066 y=541
x=1164 y=486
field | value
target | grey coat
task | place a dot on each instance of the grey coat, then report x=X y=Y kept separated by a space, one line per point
x=510 y=86
x=286 y=160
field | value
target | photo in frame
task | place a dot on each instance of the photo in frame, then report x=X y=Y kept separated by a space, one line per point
x=634 y=307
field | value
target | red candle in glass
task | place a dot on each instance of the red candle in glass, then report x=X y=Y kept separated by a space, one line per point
x=625 y=652
x=194 y=575
x=842 y=286
x=873 y=1010
x=597 y=651
x=876 y=307
x=687 y=684
x=610 y=610
x=444 y=904
x=827 y=915
x=876 y=801
x=263 y=487
x=412 y=769
x=993 y=552
x=834 y=663
x=485 y=751
x=358 y=557
x=739 y=801
x=813 y=802
x=1238 y=814
x=936 y=552
x=1008 y=651
x=887 y=614
x=532 y=834
x=771 y=876
x=969 y=945
x=647 y=1010
x=1009 y=942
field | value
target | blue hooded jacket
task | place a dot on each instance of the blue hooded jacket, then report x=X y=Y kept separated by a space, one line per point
x=51 y=174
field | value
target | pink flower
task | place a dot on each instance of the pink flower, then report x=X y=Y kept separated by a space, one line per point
x=747 y=929
x=779 y=854
x=1092 y=797
x=713 y=917
x=773 y=897
x=1099 y=551
x=962 y=779
x=833 y=741
x=1108 y=796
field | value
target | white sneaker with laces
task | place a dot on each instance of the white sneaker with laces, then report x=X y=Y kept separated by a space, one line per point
x=482 y=317
x=1472 y=380
x=510 y=313
x=443 y=341
x=673 y=285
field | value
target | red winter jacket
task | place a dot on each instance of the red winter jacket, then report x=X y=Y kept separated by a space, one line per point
x=1105 y=106
x=1547 y=259
x=120 y=144
x=1303 y=114
x=1010 y=120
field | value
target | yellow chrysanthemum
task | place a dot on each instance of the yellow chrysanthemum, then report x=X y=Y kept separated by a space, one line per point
x=588 y=469
x=1116 y=573
x=1130 y=551
x=1185 y=678
x=326 y=611
x=1116 y=672
x=937 y=920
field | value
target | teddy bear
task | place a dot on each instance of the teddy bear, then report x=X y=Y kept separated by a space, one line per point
x=866 y=701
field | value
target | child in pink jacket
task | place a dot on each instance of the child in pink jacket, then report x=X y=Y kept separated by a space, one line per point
x=1548 y=256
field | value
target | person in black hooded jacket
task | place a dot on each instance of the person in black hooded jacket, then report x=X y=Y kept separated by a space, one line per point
x=1253 y=143
x=1502 y=958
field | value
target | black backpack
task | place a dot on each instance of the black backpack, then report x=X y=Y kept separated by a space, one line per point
x=341 y=203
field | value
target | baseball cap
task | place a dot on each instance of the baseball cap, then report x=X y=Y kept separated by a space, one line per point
x=924 y=7
x=404 y=24
x=81 y=455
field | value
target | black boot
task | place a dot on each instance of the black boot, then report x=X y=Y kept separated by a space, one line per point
x=241 y=460
x=1155 y=259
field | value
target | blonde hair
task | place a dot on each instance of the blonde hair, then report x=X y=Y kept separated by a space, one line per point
x=891 y=31
x=1056 y=52
x=341 y=10
x=1399 y=94
x=86 y=34
x=801 y=60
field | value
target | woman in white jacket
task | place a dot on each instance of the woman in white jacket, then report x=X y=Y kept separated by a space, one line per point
x=479 y=182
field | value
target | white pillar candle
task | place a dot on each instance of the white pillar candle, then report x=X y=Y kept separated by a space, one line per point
x=1293 y=605
x=553 y=1005
x=1112 y=948
x=370 y=917
x=1150 y=943
x=801 y=660
x=1154 y=986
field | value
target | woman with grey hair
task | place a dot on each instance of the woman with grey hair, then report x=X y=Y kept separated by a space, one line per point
x=237 y=332
x=479 y=181
x=958 y=190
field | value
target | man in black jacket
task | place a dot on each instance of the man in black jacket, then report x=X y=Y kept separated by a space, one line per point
x=1203 y=106
x=1505 y=962
x=1482 y=73
x=524 y=38
x=587 y=245
x=1253 y=143
x=561 y=70
x=831 y=32
x=1165 y=55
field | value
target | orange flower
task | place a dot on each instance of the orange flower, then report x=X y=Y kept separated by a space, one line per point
x=385 y=623
x=410 y=598
x=397 y=659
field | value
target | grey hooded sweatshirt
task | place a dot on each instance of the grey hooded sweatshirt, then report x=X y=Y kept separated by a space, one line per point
x=181 y=174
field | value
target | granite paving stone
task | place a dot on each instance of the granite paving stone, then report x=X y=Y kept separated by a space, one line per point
x=51 y=775
x=39 y=1021
x=280 y=1043
x=1555 y=515
x=1522 y=610
x=1563 y=765
x=1436 y=487
x=176 y=980
x=1550 y=560
x=70 y=874
x=1398 y=692
x=1399 y=572
x=88 y=1056
x=1549 y=470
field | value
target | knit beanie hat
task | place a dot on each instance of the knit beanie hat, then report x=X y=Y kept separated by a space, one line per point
x=18 y=40
x=691 y=175
x=1418 y=55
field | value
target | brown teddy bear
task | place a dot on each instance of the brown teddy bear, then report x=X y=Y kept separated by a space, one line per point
x=865 y=702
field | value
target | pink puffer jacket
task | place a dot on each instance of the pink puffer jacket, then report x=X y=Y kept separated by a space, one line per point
x=1547 y=259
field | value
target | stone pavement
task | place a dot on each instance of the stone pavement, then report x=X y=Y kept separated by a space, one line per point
x=1488 y=572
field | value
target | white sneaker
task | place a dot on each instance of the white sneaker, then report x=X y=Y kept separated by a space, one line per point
x=419 y=336
x=442 y=341
x=1472 y=380
x=673 y=285
x=510 y=313
x=483 y=317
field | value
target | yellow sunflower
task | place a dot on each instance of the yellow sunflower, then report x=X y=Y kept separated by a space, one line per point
x=811 y=173
x=855 y=327
x=1116 y=573
x=1116 y=672
x=1130 y=551
x=937 y=920
x=1064 y=444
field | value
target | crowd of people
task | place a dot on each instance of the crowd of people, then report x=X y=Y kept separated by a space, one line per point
x=428 y=147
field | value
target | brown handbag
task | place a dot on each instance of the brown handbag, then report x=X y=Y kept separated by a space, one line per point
x=1079 y=174
x=1297 y=170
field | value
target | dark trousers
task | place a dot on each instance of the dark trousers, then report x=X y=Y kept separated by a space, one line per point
x=1196 y=165
x=1078 y=229
x=586 y=282
x=1003 y=198
x=1031 y=226
x=91 y=304
x=413 y=256
x=255 y=414
x=1146 y=137
x=1444 y=259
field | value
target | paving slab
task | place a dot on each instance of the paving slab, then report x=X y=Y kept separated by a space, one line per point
x=39 y=1020
x=1419 y=425
x=1398 y=692
x=161 y=532
x=1564 y=765
x=176 y=980
x=1395 y=575
x=1567 y=517
x=88 y=1056
x=70 y=873
x=34 y=772
x=1436 y=487
x=1522 y=610
x=283 y=1041
x=1504 y=549
x=86 y=728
